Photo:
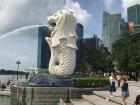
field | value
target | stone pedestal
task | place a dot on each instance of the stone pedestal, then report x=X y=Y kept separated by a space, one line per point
x=43 y=79
x=45 y=95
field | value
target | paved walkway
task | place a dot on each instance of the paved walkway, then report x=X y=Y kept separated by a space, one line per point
x=134 y=90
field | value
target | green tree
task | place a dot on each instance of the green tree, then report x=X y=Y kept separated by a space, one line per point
x=126 y=52
x=97 y=59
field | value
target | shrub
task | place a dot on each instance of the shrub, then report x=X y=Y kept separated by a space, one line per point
x=91 y=81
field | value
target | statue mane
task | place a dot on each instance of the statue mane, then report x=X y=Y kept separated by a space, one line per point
x=63 y=25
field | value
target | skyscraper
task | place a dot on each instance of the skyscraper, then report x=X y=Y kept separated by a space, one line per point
x=79 y=31
x=124 y=27
x=133 y=15
x=91 y=43
x=43 y=56
x=110 y=29
x=80 y=51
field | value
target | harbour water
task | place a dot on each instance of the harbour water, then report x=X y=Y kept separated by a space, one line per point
x=11 y=77
x=4 y=100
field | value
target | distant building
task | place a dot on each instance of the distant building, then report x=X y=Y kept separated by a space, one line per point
x=133 y=15
x=91 y=43
x=80 y=31
x=80 y=51
x=44 y=54
x=79 y=54
x=135 y=35
x=123 y=27
x=110 y=28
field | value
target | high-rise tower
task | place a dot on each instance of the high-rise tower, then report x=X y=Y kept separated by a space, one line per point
x=110 y=29
x=133 y=15
x=44 y=54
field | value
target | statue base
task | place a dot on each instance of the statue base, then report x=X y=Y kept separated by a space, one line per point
x=21 y=95
x=43 y=78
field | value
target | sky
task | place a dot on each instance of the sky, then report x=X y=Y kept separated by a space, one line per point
x=22 y=45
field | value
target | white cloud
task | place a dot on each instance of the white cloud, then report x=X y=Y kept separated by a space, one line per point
x=128 y=3
x=81 y=15
x=18 y=13
x=109 y=3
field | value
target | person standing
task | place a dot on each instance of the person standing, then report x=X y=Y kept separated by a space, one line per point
x=118 y=77
x=137 y=76
x=112 y=87
x=137 y=101
x=125 y=91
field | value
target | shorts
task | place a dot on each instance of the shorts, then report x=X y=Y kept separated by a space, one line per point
x=112 y=88
x=124 y=94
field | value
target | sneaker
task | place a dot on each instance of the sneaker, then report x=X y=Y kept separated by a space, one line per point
x=111 y=96
x=107 y=99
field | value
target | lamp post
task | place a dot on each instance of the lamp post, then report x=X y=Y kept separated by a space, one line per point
x=18 y=62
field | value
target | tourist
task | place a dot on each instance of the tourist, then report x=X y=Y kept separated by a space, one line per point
x=118 y=77
x=137 y=76
x=3 y=86
x=112 y=87
x=125 y=91
x=137 y=101
x=130 y=76
x=133 y=76
x=8 y=82
x=86 y=71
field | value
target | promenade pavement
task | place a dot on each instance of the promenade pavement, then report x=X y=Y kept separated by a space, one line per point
x=103 y=97
x=134 y=90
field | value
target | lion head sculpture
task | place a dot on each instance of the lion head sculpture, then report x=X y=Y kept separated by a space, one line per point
x=63 y=25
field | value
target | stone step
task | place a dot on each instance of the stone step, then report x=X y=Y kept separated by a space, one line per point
x=40 y=101
x=68 y=104
x=5 y=93
x=96 y=100
x=80 y=102
x=116 y=99
x=40 y=104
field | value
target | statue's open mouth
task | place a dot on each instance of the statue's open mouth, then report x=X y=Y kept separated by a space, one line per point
x=53 y=24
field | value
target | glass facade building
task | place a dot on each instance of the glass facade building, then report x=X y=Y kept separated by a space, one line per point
x=110 y=29
x=79 y=31
x=124 y=27
x=80 y=51
x=44 y=54
x=133 y=15
x=91 y=43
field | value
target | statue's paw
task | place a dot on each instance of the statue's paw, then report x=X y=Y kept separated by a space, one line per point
x=48 y=40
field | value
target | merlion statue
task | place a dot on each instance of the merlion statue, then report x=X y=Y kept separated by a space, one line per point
x=62 y=43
